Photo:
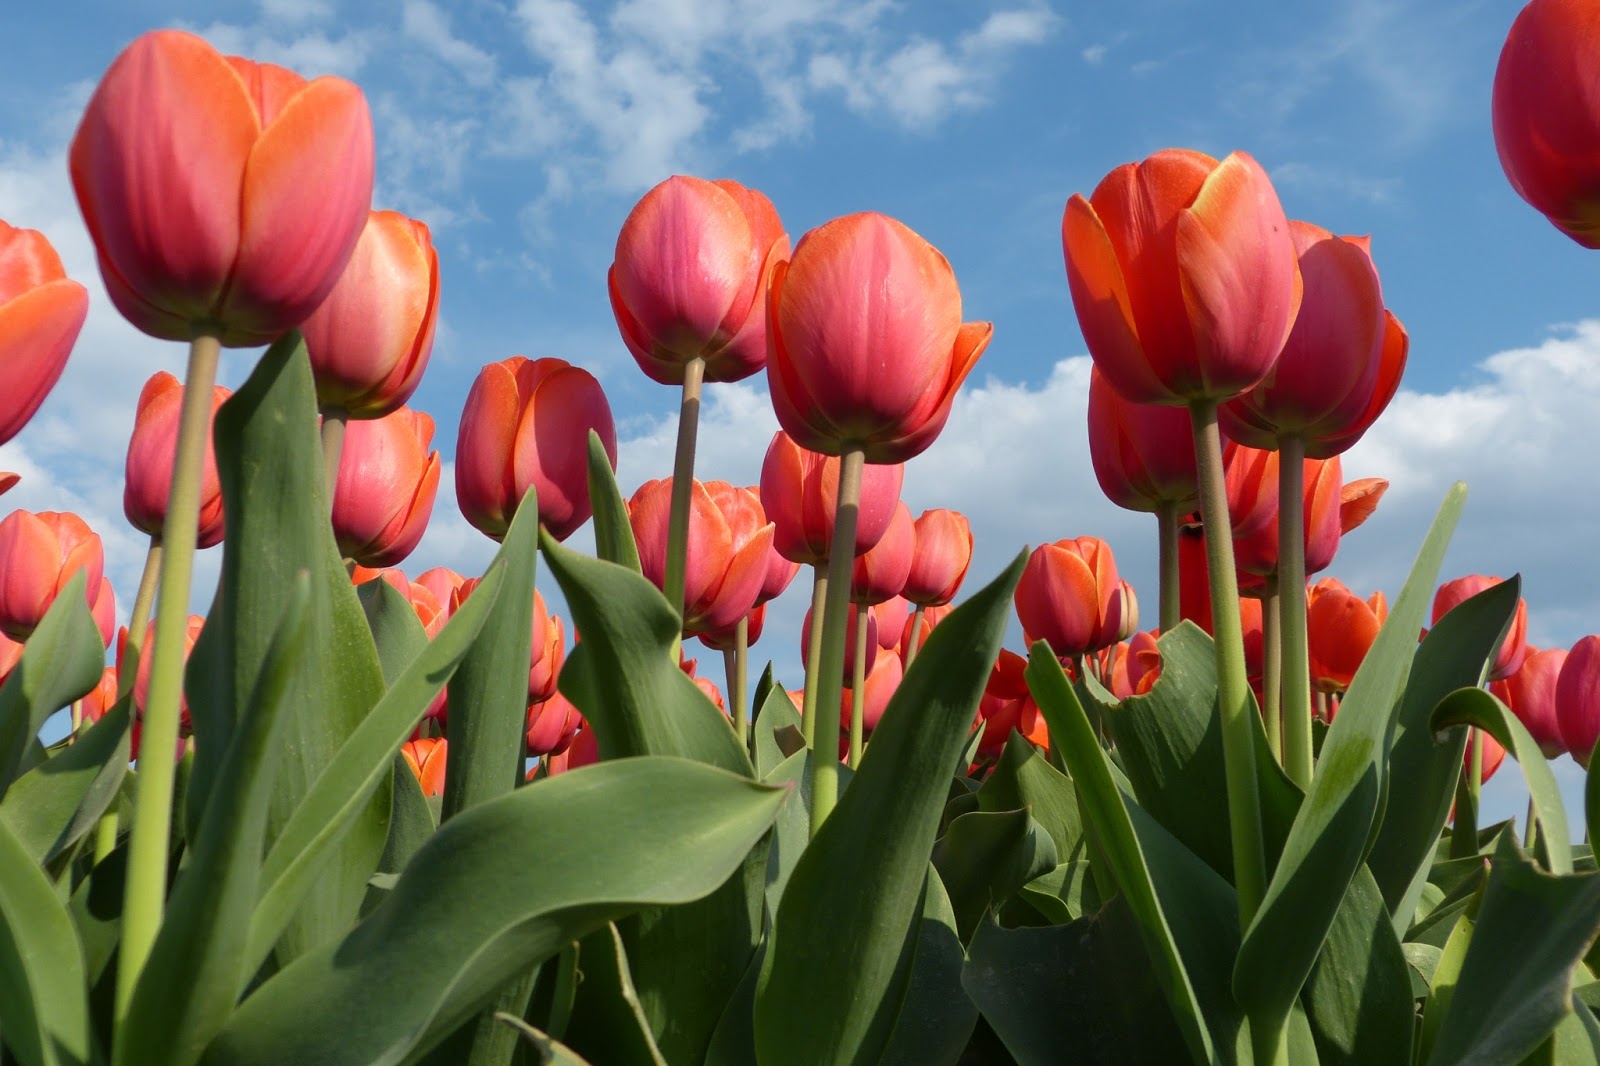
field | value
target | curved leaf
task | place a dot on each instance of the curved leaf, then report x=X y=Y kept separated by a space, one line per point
x=937 y=1016
x=44 y=1007
x=396 y=630
x=613 y=533
x=985 y=857
x=53 y=805
x=1023 y=778
x=61 y=662
x=1358 y=998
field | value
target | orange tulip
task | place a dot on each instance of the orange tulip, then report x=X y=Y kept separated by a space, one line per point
x=1340 y=629
x=879 y=687
x=441 y=581
x=104 y=610
x=221 y=194
x=41 y=314
x=1143 y=454
x=39 y=554
x=426 y=756
x=387 y=482
x=1531 y=695
x=942 y=555
x=800 y=492
x=1070 y=596
x=880 y=572
x=1515 y=646
x=1135 y=666
x=370 y=340
x=726 y=560
x=148 y=480
x=102 y=697
x=866 y=340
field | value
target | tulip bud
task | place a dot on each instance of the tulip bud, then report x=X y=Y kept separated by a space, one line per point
x=426 y=756
x=1135 y=666
x=1143 y=454
x=800 y=492
x=41 y=314
x=1515 y=646
x=39 y=554
x=1340 y=629
x=942 y=555
x=1070 y=596
x=1578 y=699
x=148 y=480
x=387 y=482
x=880 y=572
x=552 y=725
x=1531 y=695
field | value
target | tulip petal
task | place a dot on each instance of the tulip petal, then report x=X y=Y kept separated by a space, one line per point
x=37 y=332
x=485 y=440
x=971 y=341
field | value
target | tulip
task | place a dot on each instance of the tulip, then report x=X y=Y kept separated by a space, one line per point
x=386 y=487
x=1070 y=596
x=727 y=639
x=552 y=725
x=879 y=573
x=1007 y=683
x=141 y=684
x=847 y=668
x=41 y=314
x=780 y=571
x=911 y=643
x=1578 y=699
x=1143 y=454
x=370 y=340
x=1514 y=648
x=101 y=698
x=104 y=610
x=690 y=278
x=441 y=581
x=148 y=482
x=941 y=558
x=583 y=751
x=223 y=196
x=1547 y=117
x=526 y=425
x=1135 y=666
x=1340 y=628
x=729 y=544
x=548 y=648
x=1531 y=695
x=892 y=615
x=431 y=612
x=800 y=492
x=39 y=554
x=878 y=687
x=1493 y=753
x=426 y=756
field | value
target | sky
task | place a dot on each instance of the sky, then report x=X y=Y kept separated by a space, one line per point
x=523 y=131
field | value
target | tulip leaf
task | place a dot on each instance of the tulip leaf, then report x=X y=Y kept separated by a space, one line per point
x=547 y=1050
x=1022 y=778
x=1358 y=998
x=1332 y=831
x=1452 y=656
x=422 y=963
x=613 y=533
x=937 y=1016
x=1515 y=982
x=1475 y=707
x=52 y=806
x=197 y=966
x=269 y=460
x=835 y=998
x=792 y=831
x=985 y=857
x=777 y=711
x=607 y=1024
x=44 y=1010
x=411 y=823
x=396 y=630
x=61 y=662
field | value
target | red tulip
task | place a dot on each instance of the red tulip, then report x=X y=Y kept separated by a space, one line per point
x=880 y=572
x=1070 y=596
x=943 y=554
x=526 y=424
x=426 y=756
x=879 y=687
x=552 y=725
x=1547 y=115
x=1578 y=699
x=867 y=343
x=370 y=340
x=850 y=641
x=141 y=677
x=104 y=610
x=1143 y=454
x=41 y=313
x=583 y=751
x=892 y=615
x=1135 y=666
x=1183 y=276
x=39 y=554
x=800 y=492
x=441 y=581
x=149 y=468
x=931 y=617
x=725 y=562
x=387 y=483
x=1340 y=629
x=1531 y=695
x=221 y=194
x=690 y=278
x=1515 y=646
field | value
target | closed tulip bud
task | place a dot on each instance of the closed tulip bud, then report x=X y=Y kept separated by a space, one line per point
x=892 y=615
x=1515 y=646
x=1143 y=454
x=148 y=481
x=102 y=697
x=1340 y=629
x=552 y=725
x=526 y=424
x=800 y=493
x=867 y=343
x=880 y=572
x=141 y=678
x=1547 y=117
x=1183 y=276
x=1070 y=596
x=221 y=194
x=387 y=482
x=41 y=314
x=426 y=756
x=442 y=582
x=1578 y=699
x=104 y=610
x=1531 y=695
x=879 y=687
x=849 y=644
x=690 y=278
x=725 y=563
x=39 y=554
x=369 y=341
x=943 y=554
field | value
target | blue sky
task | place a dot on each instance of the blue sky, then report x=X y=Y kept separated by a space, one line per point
x=523 y=132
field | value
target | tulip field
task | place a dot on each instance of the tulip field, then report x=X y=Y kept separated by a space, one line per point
x=357 y=815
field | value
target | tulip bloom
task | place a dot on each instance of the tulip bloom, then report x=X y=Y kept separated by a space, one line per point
x=873 y=647
x=552 y=725
x=690 y=278
x=1332 y=508
x=892 y=615
x=426 y=756
x=1183 y=276
x=880 y=685
x=441 y=581
x=1531 y=695
x=387 y=482
x=41 y=314
x=39 y=554
x=880 y=572
x=370 y=340
x=800 y=494
x=221 y=194
x=931 y=617
x=1143 y=454
x=941 y=558
x=1547 y=117
x=867 y=343
x=1070 y=596
x=729 y=543
x=1515 y=646
x=141 y=677
x=1578 y=699
x=1340 y=629
x=148 y=480
x=1135 y=666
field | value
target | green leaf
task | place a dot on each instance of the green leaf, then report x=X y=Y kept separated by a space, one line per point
x=1334 y=826
x=613 y=533
x=411 y=823
x=52 y=806
x=44 y=1009
x=1022 y=778
x=1109 y=821
x=777 y=713
x=985 y=857
x=61 y=662
x=269 y=459
x=547 y=1050
x=1358 y=998
x=423 y=963
x=937 y=1017
x=197 y=967
x=1516 y=980
x=792 y=831
x=607 y=1024
x=396 y=630
x=1475 y=707
x=834 y=998
x=1064 y=894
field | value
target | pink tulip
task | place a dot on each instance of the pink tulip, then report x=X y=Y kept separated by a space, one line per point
x=800 y=492
x=1070 y=596
x=1514 y=648
x=1578 y=699
x=148 y=480
x=880 y=572
x=386 y=486
x=41 y=314
x=940 y=560
x=1531 y=695
x=728 y=546
x=39 y=554
x=1143 y=454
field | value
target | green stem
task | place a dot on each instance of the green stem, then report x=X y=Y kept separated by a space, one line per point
x=1167 y=540
x=683 y=482
x=916 y=635
x=146 y=888
x=139 y=618
x=1464 y=832
x=1292 y=590
x=858 y=685
x=735 y=660
x=808 y=701
x=835 y=615
x=1531 y=828
x=334 y=420
x=1272 y=668
x=1269 y=1040
x=1234 y=701
x=105 y=834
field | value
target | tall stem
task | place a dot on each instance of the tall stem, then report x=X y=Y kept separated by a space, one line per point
x=914 y=645
x=683 y=482
x=858 y=685
x=146 y=885
x=835 y=615
x=1272 y=668
x=1167 y=540
x=808 y=700
x=334 y=420
x=735 y=661
x=1292 y=590
x=1233 y=686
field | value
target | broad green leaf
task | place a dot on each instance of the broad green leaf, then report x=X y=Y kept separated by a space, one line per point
x=1334 y=826
x=1109 y=822
x=1064 y=894
x=607 y=1024
x=733 y=1043
x=1516 y=980
x=792 y=831
x=1475 y=707
x=396 y=630
x=44 y=1008
x=411 y=823
x=53 y=805
x=61 y=662
x=613 y=534
x=1452 y=953
x=834 y=998
x=1423 y=768
x=777 y=712
x=1358 y=998
x=269 y=459
x=422 y=963
x=1023 y=778
x=937 y=1015
x=197 y=966
x=985 y=857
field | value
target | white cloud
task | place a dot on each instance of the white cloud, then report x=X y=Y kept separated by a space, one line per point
x=429 y=26
x=309 y=54
x=1323 y=180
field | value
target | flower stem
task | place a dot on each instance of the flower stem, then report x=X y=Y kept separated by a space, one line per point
x=1233 y=687
x=1272 y=667
x=808 y=702
x=835 y=615
x=1292 y=618
x=139 y=617
x=334 y=420
x=735 y=660
x=1167 y=539
x=146 y=888
x=858 y=685
x=683 y=482
x=913 y=646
